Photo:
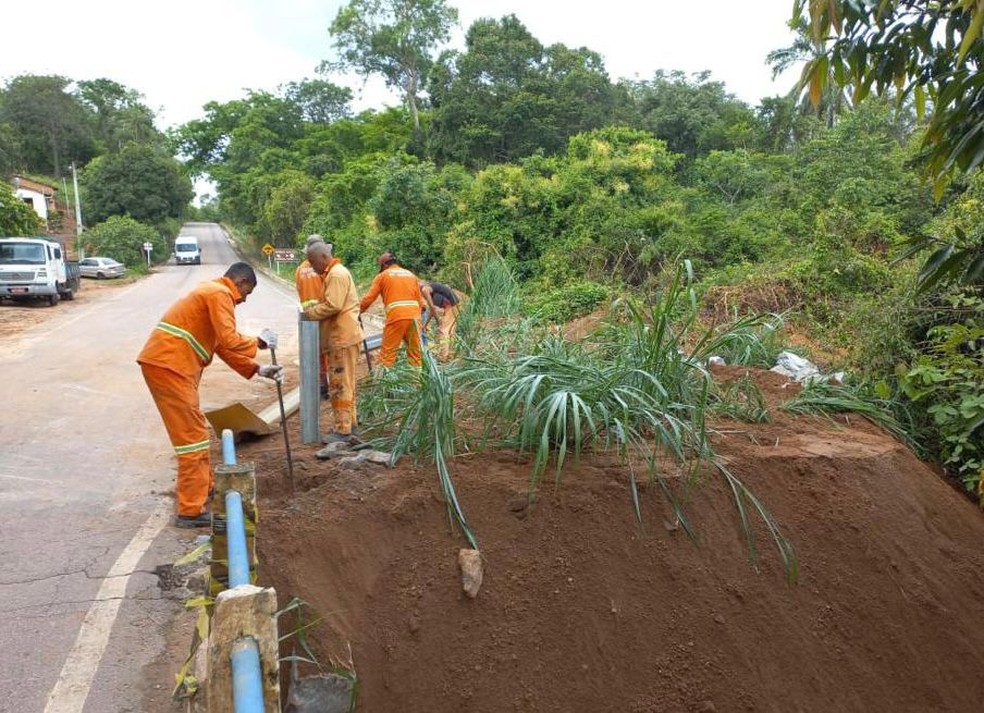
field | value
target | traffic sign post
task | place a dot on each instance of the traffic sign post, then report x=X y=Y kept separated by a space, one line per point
x=148 y=247
x=268 y=251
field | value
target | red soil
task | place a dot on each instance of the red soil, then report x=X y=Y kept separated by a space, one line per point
x=585 y=609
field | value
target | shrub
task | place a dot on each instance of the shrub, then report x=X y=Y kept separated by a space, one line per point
x=122 y=238
x=566 y=303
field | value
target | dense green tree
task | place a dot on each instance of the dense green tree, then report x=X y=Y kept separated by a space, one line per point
x=140 y=182
x=931 y=51
x=320 y=101
x=119 y=116
x=10 y=150
x=285 y=211
x=507 y=96
x=395 y=39
x=122 y=238
x=413 y=209
x=51 y=123
x=16 y=216
x=694 y=117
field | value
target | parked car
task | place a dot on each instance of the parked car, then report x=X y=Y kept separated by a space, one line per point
x=101 y=267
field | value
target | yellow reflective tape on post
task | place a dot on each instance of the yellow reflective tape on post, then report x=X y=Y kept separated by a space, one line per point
x=192 y=447
x=201 y=351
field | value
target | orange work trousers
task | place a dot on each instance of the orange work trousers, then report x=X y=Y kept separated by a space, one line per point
x=176 y=397
x=406 y=331
x=341 y=387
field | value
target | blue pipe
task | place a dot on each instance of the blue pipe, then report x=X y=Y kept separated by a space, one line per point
x=236 y=537
x=228 y=447
x=247 y=685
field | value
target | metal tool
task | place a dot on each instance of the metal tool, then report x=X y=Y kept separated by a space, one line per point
x=283 y=424
x=365 y=345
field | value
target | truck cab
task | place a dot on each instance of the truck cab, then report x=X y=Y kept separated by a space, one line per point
x=36 y=268
x=187 y=250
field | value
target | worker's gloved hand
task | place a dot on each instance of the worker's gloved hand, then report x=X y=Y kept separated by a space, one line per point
x=268 y=339
x=272 y=371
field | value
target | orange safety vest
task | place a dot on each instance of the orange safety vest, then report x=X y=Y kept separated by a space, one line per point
x=309 y=284
x=338 y=309
x=400 y=289
x=198 y=326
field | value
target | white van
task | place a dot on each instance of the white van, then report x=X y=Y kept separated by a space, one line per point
x=186 y=250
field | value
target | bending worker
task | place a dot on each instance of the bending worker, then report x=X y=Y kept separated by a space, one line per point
x=341 y=334
x=442 y=305
x=404 y=303
x=192 y=330
x=310 y=288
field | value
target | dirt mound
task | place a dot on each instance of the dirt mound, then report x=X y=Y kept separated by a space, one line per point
x=584 y=609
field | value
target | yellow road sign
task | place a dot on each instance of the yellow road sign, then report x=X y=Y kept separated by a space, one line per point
x=268 y=249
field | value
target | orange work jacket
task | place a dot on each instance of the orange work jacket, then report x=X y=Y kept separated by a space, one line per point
x=338 y=309
x=400 y=289
x=310 y=286
x=198 y=326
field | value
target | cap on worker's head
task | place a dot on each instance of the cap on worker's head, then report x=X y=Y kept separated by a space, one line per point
x=314 y=238
x=387 y=258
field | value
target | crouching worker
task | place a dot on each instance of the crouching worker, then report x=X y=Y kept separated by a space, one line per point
x=404 y=304
x=341 y=334
x=443 y=304
x=194 y=329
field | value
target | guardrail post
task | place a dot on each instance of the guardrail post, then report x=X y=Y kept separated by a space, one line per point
x=243 y=613
x=309 y=354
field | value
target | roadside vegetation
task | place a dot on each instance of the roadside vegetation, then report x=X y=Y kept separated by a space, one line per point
x=846 y=214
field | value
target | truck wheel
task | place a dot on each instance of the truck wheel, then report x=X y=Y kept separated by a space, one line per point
x=68 y=295
x=53 y=299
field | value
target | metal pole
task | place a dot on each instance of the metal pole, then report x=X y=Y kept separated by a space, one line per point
x=78 y=206
x=236 y=537
x=283 y=424
x=310 y=359
x=247 y=684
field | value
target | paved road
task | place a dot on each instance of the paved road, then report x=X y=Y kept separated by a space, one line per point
x=86 y=473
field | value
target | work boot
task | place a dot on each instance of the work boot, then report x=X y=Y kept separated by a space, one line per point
x=194 y=521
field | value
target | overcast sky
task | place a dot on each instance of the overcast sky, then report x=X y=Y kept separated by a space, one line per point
x=183 y=53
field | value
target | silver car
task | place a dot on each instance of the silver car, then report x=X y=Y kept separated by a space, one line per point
x=101 y=267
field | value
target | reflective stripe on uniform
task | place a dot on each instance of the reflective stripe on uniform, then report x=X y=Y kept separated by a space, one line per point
x=192 y=447
x=401 y=303
x=308 y=303
x=201 y=351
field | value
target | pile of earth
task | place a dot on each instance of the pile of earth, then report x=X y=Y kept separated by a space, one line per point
x=583 y=608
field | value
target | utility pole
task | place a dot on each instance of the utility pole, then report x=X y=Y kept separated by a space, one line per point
x=78 y=212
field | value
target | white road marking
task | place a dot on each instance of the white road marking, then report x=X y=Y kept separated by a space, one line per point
x=75 y=679
x=30 y=480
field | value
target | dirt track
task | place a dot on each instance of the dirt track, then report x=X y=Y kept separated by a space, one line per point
x=583 y=609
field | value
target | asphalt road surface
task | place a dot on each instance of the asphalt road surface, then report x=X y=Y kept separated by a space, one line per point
x=86 y=489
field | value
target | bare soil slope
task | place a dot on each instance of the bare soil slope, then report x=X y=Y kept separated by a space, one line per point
x=584 y=609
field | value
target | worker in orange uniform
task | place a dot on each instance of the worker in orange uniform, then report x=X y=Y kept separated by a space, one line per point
x=310 y=288
x=341 y=334
x=194 y=329
x=404 y=304
x=443 y=304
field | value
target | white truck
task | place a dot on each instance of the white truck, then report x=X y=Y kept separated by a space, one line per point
x=187 y=250
x=36 y=268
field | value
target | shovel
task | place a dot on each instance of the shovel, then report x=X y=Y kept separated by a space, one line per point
x=283 y=424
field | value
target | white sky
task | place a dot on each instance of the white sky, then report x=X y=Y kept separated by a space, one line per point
x=183 y=53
